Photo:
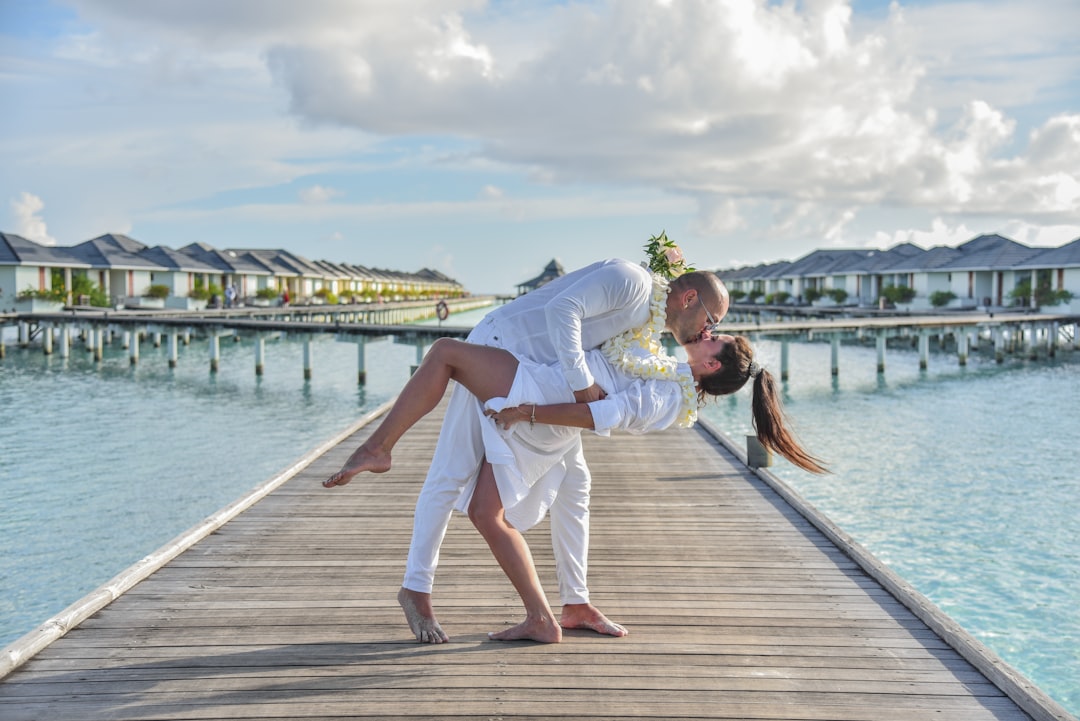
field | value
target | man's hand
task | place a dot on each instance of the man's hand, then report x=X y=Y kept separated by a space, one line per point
x=590 y=394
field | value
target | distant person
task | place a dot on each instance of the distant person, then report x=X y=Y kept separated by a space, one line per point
x=285 y=298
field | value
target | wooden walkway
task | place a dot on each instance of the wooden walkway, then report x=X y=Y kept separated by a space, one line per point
x=738 y=607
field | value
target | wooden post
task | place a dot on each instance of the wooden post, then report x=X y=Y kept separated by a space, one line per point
x=134 y=346
x=157 y=339
x=757 y=455
x=24 y=334
x=47 y=339
x=784 y=354
x=1030 y=344
x=65 y=340
x=215 y=352
x=836 y=355
x=99 y=343
x=125 y=341
x=881 y=351
x=361 y=373
x=173 y=355
x=962 y=348
x=999 y=344
x=924 y=349
x=260 y=354
x=307 y=358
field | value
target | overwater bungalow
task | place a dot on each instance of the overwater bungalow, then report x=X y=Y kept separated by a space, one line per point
x=123 y=275
x=26 y=266
x=123 y=270
x=988 y=271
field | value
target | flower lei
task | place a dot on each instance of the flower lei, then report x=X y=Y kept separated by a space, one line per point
x=638 y=351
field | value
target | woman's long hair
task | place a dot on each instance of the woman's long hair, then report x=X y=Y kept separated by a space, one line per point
x=770 y=422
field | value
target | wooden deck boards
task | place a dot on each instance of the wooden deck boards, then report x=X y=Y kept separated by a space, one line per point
x=738 y=609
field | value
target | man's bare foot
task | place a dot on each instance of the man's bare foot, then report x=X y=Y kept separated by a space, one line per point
x=588 y=616
x=541 y=630
x=421 y=616
x=362 y=459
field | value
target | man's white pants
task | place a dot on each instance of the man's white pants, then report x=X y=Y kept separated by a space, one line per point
x=459 y=453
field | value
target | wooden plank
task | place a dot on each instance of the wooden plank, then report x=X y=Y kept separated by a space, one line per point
x=738 y=606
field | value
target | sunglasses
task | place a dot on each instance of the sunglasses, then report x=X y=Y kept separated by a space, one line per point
x=713 y=326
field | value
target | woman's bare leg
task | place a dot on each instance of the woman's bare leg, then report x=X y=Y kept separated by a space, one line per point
x=512 y=552
x=485 y=372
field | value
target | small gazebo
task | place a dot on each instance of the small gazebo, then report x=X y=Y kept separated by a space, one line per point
x=552 y=271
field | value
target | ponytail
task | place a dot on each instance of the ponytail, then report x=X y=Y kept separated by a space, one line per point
x=737 y=367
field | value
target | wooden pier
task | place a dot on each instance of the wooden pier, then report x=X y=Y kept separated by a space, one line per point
x=742 y=603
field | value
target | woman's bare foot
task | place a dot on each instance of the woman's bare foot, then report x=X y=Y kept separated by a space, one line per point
x=421 y=616
x=372 y=460
x=541 y=630
x=588 y=616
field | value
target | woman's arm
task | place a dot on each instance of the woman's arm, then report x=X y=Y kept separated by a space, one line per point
x=577 y=415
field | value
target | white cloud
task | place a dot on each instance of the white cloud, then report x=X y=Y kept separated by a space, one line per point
x=28 y=222
x=785 y=124
x=317 y=194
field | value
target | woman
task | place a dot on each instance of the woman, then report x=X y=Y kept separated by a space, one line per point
x=536 y=423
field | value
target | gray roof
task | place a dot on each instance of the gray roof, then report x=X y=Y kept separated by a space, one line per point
x=17 y=250
x=823 y=262
x=990 y=252
x=175 y=260
x=932 y=259
x=552 y=271
x=1066 y=256
x=111 y=251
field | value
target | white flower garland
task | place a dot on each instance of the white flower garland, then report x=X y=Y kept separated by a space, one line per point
x=639 y=353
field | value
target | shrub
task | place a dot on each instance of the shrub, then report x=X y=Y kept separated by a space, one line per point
x=780 y=297
x=327 y=295
x=157 y=291
x=941 y=298
x=839 y=295
x=267 y=293
x=812 y=294
x=898 y=294
x=737 y=295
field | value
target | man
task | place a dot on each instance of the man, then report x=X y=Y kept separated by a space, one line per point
x=557 y=322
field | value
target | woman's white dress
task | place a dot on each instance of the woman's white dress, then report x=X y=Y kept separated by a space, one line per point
x=529 y=463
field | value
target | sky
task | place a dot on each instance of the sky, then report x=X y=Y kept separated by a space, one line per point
x=484 y=139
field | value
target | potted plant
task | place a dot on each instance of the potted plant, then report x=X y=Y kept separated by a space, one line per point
x=49 y=300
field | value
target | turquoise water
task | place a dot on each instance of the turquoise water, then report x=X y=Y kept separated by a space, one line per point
x=962 y=480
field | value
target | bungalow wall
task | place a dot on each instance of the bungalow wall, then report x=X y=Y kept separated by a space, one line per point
x=14 y=279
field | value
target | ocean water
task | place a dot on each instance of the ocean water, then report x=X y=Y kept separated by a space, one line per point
x=963 y=480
